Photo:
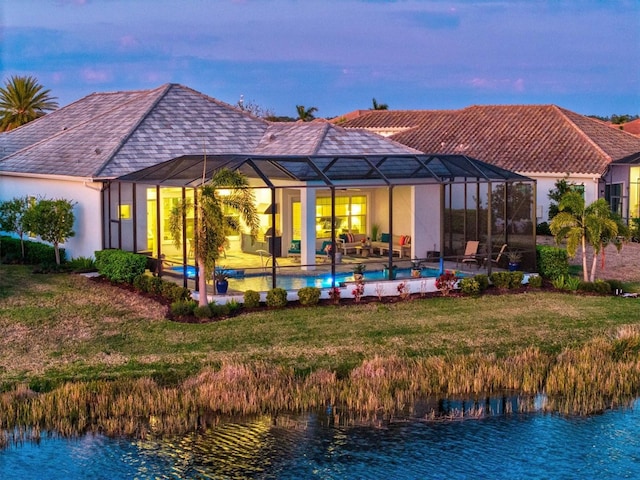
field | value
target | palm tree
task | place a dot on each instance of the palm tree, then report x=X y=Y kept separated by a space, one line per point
x=582 y=225
x=379 y=106
x=212 y=224
x=306 y=115
x=23 y=99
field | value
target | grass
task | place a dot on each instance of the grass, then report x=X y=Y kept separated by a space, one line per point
x=83 y=356
x=67 y=327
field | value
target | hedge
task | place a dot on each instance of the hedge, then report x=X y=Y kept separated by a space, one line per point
x=119 y=266
x=553 y=262
x=35 y=252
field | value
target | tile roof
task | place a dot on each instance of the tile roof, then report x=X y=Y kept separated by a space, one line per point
x=106 y=135
x=632 y=127
x=522 y=138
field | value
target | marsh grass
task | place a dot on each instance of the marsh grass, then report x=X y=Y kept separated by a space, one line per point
x=85 y=356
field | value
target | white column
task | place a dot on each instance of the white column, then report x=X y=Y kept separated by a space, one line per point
x=425 y=224
x=308 y=228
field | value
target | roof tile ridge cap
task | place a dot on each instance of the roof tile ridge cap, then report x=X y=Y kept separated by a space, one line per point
x=575 y=127
x=164 y=89
x=390 y=139
x=321 y=137
x=223 y=104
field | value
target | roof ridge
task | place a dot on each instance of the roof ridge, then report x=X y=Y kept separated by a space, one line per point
x=580 y=132
x=166 y=87
x=321 y=137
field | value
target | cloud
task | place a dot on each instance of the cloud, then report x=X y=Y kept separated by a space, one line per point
x=94 y=75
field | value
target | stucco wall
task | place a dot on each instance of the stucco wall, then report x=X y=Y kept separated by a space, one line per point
x=87 y=213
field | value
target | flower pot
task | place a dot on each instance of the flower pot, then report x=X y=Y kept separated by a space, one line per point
x=222 y=286
x=416 y=272
x=358 y=277
x=514 y=266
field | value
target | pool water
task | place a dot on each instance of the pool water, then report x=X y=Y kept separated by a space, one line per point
x=261 y=282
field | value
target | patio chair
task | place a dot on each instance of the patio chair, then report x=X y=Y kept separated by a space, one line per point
x=470 y=253
x=496 y=260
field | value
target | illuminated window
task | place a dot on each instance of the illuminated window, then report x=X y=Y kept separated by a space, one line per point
x=124 y=212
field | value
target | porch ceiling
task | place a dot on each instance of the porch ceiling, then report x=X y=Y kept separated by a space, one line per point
x=388 y=170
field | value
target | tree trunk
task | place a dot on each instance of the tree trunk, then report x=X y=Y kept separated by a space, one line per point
x=57 y=250
x=202 y=284
x=594 y=263
x=585 y=271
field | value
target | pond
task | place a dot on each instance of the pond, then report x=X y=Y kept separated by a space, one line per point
x=498 y=446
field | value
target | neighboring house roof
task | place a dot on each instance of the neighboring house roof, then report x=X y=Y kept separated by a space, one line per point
x=107 y=135
x=633 y=159
x=522 y=138
x=632 y=127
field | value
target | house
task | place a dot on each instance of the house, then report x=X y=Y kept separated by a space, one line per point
x=542 y=142
x=126 y=158
x=632 y=127
x=622 y=186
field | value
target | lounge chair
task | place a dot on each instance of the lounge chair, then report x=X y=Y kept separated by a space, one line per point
x=470 y=253
x=496 y=260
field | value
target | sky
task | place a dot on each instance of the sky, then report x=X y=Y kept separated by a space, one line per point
x=336 y=55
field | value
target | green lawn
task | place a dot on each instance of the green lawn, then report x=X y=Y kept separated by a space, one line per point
x=55 y=327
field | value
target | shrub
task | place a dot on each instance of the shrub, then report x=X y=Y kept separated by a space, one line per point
x=251 y=299
x=515 y=279
x=483 y=281
x=221 y=310
x=599 y=286
x=553 y=262
x=35 y=253
x=277 y=297
x=501 y=280
x=82 y=264
x=234 y=307
x=616 y=285
x=309 y=295
x=446 y=282
x=535 y=281
x=202 y=312
x=141 y=283
x=469 y=286
x=119 y=266
x=155 y=285
x=174 y=292
x=543 y=229
x=572 y=283
x=183 y=308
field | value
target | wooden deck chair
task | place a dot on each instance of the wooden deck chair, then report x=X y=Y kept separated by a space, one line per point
x=471 y=253
x=500 y=253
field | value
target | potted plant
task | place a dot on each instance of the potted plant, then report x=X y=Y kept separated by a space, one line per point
x=514 y=260
x=358 y=271
x=221 y=277
x=416 y=268
x=385 y=272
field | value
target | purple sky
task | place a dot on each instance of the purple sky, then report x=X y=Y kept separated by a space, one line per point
x=337 y=55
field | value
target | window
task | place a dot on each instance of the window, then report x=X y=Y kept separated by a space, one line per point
x=124 y=211
x=613 y=195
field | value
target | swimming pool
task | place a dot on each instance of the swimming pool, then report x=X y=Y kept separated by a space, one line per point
x=261 y=282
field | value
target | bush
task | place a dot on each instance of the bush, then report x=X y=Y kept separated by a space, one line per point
x=221 y=310
x=483 y=281
x=35 y=253
x=82 y=264
x=183 y=308
x=155 y=285
x=616 y=285
x=119 y=266
x=469 y=286
x=251 y=299
x=535 y=281
x=501 y=280
x=543 y=229
x=277 y=297
x=202 y=312
x=234 y=306
x=553 y=262
x=174 y=292
x=515 y=279
x=309 y=295
x=599 y=286
x=141 y=283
